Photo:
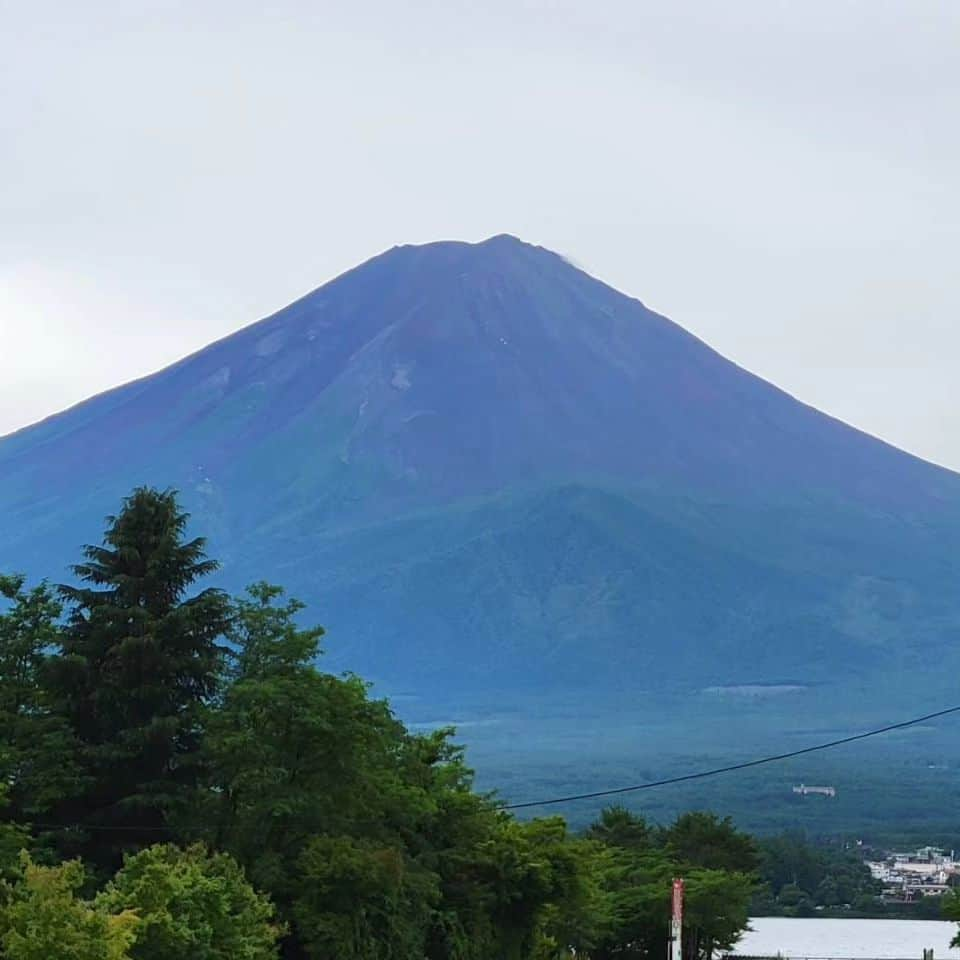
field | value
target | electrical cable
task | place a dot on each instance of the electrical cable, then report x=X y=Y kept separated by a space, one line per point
x=615 y=791
x=702 y=774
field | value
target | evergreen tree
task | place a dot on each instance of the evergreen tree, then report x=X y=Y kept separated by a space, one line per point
x=139 y=662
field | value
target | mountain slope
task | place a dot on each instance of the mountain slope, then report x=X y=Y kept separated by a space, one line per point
x=489 y=472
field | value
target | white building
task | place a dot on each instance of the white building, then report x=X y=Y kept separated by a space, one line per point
x=804 y=790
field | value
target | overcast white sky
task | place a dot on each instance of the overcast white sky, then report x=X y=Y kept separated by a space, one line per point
x=779 y=177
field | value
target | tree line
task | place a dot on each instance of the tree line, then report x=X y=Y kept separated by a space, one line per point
x=803 y=879
x=179 y=778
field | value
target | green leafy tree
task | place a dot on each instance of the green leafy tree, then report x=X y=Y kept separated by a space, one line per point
x=28 y=629
x=950 y=910
x=42 y=917
x=37 y=750
x=639 y=884
x=497 y=891
x=791 y=894
x=718 y=863
x=304 y=764
x=827 y=893
x=704 y=840
x=580 y=911
x=14 y=838
x=865 y=904
x=192 y=904
x=357 y=896
x=457 y=834
x=788 y=860
x=292 y=752
x=139 y=662
x=264 y=635
x=364 y=834
x=618 y=827
x=797 y=873
x=764 y=903
x=527 y=867
x=638 y=875
x=716 y=911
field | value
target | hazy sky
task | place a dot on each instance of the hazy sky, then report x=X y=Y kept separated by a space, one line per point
x=780 y=178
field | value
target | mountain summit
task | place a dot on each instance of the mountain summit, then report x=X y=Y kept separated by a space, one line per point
x=488 y=471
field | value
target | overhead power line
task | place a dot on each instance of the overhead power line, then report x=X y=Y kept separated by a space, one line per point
x=703 y=774
x=596 y=794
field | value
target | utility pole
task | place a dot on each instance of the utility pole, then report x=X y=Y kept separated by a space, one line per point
x=676 y=923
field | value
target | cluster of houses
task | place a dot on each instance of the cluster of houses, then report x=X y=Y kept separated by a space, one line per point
x=905 y=877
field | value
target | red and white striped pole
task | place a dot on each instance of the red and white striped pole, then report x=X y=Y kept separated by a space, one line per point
x=676 y=923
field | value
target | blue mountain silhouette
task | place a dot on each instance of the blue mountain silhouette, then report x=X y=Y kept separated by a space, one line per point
x=490 y=474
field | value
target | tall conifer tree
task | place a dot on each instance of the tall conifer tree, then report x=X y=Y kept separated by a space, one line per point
x=139 y=663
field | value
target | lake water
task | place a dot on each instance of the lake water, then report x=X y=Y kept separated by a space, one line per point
x=875 y=939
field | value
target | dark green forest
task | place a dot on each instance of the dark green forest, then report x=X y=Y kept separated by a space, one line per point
x=803 y=879
x=179 y=778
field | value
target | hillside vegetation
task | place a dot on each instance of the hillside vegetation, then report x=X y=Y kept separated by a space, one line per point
x=182 y=780
x=524 y=500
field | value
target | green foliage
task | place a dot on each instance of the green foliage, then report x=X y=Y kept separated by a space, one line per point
x=265 y=637
x=799 y=876
x=579 y=911
x=42 y=917
x=639 y=885
x=27 y=628
x=950 y=910
x=716 y=862
x=14 y=838
x=617 y=827
x=716 y=910
x=138 y=663
x=37 y=749
x=704 y=840
x=293 y=752
x=191 y=904
x=312 y=823
x=519 y=870
x=356 y=896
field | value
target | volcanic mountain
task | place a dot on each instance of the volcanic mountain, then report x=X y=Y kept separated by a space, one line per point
x=491 y=475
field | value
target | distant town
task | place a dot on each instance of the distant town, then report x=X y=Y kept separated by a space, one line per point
x=906 y=877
